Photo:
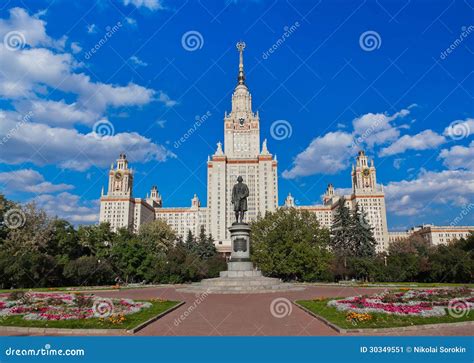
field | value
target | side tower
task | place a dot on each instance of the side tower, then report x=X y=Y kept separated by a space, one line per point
x=371 y=198
x=117 y=206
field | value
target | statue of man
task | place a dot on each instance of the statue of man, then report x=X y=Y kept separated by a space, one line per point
x=240 y=192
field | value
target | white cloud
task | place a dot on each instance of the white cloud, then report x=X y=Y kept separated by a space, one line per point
x=137 y=61
x=377 y=129
x=68 y=148
x=57 y=113
x=164 y=98
x=330 y=153
x=458 y=157
x=429 y=190
x=29 y=181
x=75 y=47
x=91 y=29
x=70 y=207
x=32 y=29
x=24 y=71
x=326 y=154
x=131 y=21
x=424 y=140
x=148 y=4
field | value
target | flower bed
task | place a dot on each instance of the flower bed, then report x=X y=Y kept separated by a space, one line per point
x=423 y=303
x=67 y=306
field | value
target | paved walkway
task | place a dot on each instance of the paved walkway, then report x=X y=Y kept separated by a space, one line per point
x=249 y=314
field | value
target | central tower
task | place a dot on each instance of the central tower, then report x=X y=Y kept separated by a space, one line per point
x=241 y=126
x=242 y=155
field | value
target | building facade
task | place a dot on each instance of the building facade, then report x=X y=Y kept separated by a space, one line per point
x=241 y=154
x=118 y=207
x=365 y=192
x=434 y=235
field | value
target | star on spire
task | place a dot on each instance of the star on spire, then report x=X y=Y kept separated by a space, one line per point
x=240 y=47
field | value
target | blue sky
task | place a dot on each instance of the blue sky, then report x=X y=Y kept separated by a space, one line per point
x=343 y=75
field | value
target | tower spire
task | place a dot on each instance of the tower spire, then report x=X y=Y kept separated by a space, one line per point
x=240 y=48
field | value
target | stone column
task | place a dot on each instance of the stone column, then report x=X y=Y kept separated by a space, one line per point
x=239 y=264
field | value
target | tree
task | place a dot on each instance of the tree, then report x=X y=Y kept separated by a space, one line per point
x=362 y=236
x=157 y=236
x=205 y=247
x=291 y=245
x=341 y=234
x=89 y=270
x=190 y=241
x=126 y=257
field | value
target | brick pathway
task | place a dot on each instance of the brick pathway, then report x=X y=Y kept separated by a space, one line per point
x=249 y=314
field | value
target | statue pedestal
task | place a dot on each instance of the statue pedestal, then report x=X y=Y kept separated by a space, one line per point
x=240 y=277
x=240 y=264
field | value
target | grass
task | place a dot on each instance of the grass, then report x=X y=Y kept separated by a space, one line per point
x=331 y=314
x=131 y=321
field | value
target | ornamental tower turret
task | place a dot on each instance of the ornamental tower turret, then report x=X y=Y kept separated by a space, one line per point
x=242 y=126
x=363 y=175
x=120 y=178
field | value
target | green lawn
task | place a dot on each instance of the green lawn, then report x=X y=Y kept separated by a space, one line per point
x=379 y=320
x=131 y=321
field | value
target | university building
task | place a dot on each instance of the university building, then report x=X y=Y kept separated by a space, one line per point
x=434 y=235
x=243 y=154
x=365 y=192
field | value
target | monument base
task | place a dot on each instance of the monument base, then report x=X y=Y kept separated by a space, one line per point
x=241 y=277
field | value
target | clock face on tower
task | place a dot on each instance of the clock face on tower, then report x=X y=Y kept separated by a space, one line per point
x=241 y=122
x=118 y=175
x=366 y=172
